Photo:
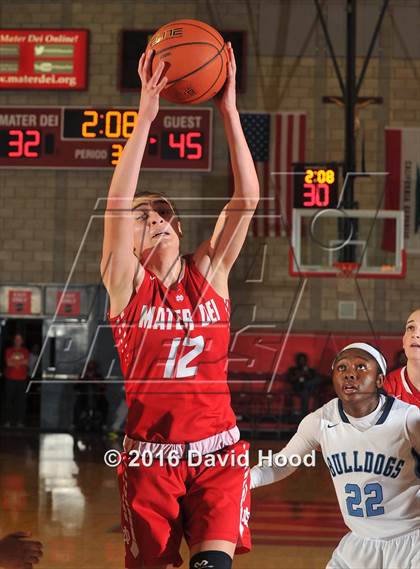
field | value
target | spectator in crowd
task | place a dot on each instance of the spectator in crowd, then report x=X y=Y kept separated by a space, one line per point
x=404 y=382
x=15 y=382
x=91 y=406
x=304 y=380
x=16 y=552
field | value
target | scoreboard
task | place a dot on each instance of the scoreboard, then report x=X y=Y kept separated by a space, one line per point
x=93 y=138
x=315 y=185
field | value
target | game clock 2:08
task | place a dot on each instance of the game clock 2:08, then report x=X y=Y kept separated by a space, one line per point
x=315 y=186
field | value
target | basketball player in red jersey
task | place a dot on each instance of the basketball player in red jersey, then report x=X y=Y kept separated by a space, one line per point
x=404 y=383
x=170 y=319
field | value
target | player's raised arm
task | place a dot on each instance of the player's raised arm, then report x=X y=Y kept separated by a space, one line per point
x=303 y=442
x=232 y=226
x=119 y=265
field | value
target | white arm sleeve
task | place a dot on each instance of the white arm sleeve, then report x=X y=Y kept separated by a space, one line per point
x=413 y=427
x=305 y=440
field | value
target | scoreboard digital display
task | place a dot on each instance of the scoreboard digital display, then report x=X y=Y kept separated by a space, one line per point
x=94 y=138
x=315 y=185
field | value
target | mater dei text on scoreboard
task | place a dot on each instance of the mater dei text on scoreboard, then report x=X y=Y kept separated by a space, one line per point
x=26 y=119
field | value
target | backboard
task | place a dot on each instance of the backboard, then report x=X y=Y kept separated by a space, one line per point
x=332 y=242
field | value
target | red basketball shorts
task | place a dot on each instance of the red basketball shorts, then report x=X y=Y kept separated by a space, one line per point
x=161 y=504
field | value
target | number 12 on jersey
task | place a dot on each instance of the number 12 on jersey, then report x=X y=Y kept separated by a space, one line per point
x=178 y=367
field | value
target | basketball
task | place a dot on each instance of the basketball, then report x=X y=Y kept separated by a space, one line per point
x=195 y=60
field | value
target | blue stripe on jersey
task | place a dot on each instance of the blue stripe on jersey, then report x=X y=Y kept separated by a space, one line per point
x=343 y=416
x=387 y=408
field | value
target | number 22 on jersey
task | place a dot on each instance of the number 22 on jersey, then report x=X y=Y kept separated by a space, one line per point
x=374 y=497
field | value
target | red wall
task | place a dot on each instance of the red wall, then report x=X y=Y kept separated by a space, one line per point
x=265 y=352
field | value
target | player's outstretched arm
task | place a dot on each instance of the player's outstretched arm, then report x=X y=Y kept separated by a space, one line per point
x=118 y=265
x=302 y=443
x=19 y=553
x=232 y=226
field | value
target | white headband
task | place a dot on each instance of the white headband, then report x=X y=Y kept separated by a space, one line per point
x=376 y=354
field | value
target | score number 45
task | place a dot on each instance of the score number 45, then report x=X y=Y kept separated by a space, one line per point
x=185 y=145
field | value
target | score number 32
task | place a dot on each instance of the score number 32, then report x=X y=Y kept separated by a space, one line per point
x=26 y=143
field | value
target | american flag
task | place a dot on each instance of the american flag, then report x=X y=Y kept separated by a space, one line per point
x=276 y=141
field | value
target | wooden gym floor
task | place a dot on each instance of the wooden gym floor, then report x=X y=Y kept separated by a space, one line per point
x=59 y=488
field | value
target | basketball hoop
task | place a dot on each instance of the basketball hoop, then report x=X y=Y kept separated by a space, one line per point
x=346 y=269
x=322 y=250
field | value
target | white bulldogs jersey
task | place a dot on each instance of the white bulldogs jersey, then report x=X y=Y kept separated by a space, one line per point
x=376 y=472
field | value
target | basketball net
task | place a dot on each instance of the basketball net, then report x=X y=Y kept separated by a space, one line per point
x=346 y=269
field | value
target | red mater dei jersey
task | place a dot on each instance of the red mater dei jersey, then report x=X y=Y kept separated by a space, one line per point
x=173 y=344
x=398 y=384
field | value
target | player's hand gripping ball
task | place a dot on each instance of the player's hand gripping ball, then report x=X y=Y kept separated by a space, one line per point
x=194 y=57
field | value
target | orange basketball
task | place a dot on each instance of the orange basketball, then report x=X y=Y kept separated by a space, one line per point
x=195 y=60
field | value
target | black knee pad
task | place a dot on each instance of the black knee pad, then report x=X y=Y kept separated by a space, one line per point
x=211 y=560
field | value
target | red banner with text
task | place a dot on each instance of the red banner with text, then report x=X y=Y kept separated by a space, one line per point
x=68 y=303
x=20 y=302
x=43 y=59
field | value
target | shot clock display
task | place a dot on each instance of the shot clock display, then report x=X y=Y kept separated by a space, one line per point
x=315 y=185
x=68 y=137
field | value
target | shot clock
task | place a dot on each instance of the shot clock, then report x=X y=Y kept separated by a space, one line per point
x=315 y=185
x=70 y=137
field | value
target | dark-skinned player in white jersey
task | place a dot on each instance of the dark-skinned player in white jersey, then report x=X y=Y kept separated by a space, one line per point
x=170 y=318
x=371 y=445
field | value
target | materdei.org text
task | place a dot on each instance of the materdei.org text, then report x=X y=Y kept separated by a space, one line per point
x=42 y=79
